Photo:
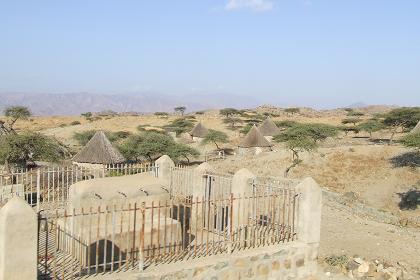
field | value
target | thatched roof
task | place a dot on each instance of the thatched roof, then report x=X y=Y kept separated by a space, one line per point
x=269 y=128
x=254 y=138
x=199 y=131
x=416 y=129
x=99 y=150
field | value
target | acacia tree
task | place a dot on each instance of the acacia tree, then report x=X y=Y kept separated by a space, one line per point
x=404 y=118
x=180 y=110
x=232 y=121
x=152 y=145
x=370 y=126
x=181 y=125
x=29 y=147
x=303 y=137
x=228 y=112
x=215 y=137
x=15 y=113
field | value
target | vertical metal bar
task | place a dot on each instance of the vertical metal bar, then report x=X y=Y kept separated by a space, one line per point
x=134 y=233
x=141 y=245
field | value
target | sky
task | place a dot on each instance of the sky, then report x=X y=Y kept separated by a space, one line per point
x=319 y=53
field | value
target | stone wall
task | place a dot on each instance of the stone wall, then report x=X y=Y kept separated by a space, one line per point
x=293 y=260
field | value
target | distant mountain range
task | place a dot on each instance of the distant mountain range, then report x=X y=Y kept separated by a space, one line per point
x=77 y=103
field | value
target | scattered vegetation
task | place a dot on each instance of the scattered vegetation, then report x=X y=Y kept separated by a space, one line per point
x=292 y=111
x=83 y=137
x=75 y=123
x=285 y=124
x=340 y=261
x=161 y=114
x=412 y=140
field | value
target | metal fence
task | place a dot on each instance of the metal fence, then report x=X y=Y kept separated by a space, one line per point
x=186 y=181
x=47 y=187
x=83 y=242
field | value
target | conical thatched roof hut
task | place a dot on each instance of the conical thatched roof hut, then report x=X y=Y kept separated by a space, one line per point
x=416 y=129
x=99 y=150
x=199 y=131
x=254 y=139
x=268 y=128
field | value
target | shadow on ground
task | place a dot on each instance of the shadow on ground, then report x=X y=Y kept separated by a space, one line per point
x=410 y=200
x=410 y=159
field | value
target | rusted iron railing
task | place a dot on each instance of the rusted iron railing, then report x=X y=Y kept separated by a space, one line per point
x=80 y=242
x=47 y=187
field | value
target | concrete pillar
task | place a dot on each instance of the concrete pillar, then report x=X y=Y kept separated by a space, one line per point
x=164 y=164
x=242 y=187
x=199 y=191
x=309 y=213
x=199 y=179
x=18 y=241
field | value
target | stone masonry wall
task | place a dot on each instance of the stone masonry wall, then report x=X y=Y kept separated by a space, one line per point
x=293 y=260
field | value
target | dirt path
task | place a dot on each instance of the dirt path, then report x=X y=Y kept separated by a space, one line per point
x=344 y=233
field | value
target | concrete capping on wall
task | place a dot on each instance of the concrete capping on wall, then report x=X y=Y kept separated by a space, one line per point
x=18 y=241
x=164 y=164
x=309 y=213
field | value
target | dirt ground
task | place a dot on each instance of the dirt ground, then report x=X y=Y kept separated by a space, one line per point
x=374 y=173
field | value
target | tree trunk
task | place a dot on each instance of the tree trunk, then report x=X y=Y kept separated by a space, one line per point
x=294 y=164
x=392 y=136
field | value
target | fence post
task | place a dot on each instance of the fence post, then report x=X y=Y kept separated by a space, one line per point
x=38 y=189
x=309 y=213
x=18 y=241
x=242 y=186
x=199 y=183
x=165 y=164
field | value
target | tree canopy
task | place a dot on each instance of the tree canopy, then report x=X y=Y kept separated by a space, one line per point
x=371 y=126
x=227 y=112
x=28 y=146
x=405 y=118
x=14 y=113
x=215 y=137
x=304 y=137
x=152 y=145
x=180 y=110
x=180 y=125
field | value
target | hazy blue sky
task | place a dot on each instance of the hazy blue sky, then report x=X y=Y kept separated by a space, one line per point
x=303 y=52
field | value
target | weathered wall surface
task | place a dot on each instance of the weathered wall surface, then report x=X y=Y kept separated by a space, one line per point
x=295 y=260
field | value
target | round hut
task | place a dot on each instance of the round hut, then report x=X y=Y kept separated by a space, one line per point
x=98 y=152
x=268 y=129
x=199 y=132
x=254 y=143
x=416 y=129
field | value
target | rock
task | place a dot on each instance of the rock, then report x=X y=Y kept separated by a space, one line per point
x=363 y=268
x=352 y=265
x=359 y=260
